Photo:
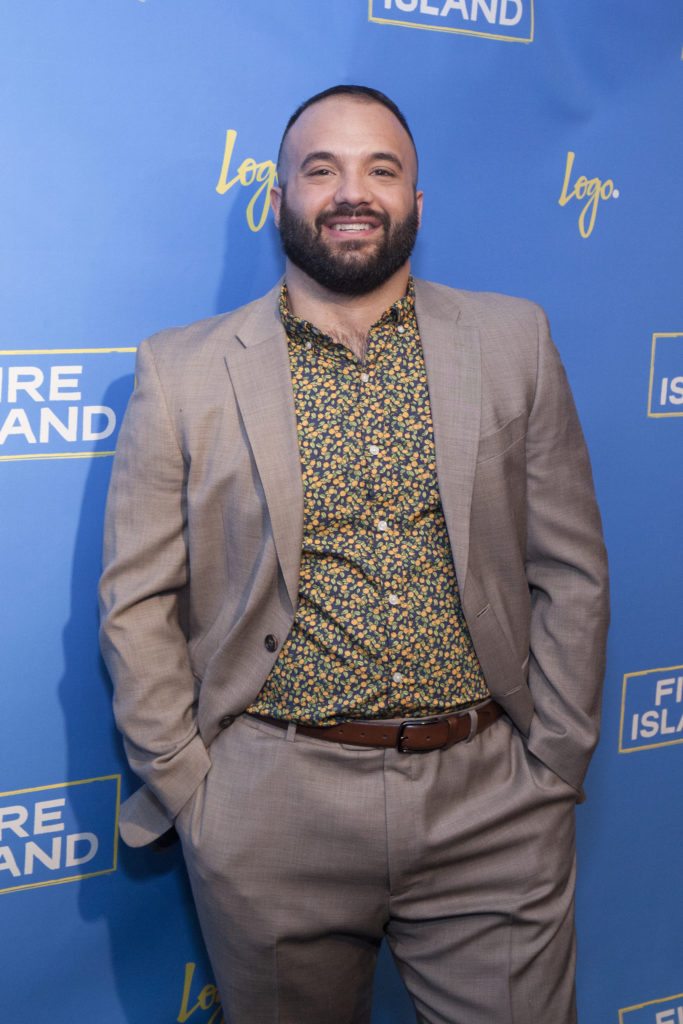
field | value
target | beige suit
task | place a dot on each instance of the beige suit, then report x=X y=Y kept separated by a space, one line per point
x=304 y=855
x=204 y=529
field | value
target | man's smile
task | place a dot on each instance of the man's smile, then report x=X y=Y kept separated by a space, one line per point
x=353 y=226
x=347 y=226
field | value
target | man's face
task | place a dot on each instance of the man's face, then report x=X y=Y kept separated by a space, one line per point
x=348 y=211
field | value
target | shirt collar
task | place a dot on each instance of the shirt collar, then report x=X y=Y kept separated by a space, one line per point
x=398 y=313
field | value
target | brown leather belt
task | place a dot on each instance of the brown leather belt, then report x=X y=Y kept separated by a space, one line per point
x=410 y=736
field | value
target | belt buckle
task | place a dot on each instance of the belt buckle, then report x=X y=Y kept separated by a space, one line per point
x=415 y=723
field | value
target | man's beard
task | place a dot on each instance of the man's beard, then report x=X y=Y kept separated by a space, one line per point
x=346 y=270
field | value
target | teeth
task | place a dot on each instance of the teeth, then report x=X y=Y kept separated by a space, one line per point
x=352 y=227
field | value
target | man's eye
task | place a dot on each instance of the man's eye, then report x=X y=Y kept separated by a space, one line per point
x=319 y=171
x=384 y=172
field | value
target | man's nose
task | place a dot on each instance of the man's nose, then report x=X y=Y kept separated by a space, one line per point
x=353 y=189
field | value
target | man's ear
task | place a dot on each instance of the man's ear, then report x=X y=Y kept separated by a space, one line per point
x=276 y=202
x=419 y=196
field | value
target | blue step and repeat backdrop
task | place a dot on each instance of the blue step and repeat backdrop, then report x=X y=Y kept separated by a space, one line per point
x=138 y=139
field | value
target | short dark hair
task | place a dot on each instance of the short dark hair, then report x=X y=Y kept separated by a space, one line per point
x=361 y=92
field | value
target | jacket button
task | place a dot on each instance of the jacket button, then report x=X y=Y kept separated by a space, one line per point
x=226 y=720
x=272 y=643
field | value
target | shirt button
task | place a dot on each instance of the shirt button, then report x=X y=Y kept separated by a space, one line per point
x=271 y=643
x=382 y=525
x=393 y=598
x=365 y=377
x=373 y=449
x=309 y=345
x=401 y=329
x=397 y=677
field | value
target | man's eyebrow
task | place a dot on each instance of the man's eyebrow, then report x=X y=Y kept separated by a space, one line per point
x=389 y=158
x=320 y=154
x=324 y=154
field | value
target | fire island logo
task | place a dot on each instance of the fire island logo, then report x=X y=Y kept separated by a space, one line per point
x=506 y=20
x=658 y=1011
x=51 y=402
x=59 y=833
x=665 y=394
x=651 y=709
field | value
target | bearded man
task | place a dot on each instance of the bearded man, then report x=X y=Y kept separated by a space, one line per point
x=354 y=608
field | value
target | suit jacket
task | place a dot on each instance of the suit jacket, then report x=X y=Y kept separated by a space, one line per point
x=204 y=528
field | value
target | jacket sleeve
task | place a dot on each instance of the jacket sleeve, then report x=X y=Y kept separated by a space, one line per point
x=141 y=593
x=567 y=575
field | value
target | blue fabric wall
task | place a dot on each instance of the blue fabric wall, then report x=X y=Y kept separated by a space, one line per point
x=137 y=146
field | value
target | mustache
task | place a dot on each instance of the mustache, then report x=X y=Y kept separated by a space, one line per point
x=348 y=210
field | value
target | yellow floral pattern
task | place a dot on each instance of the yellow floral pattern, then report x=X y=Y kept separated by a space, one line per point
x=379 y=630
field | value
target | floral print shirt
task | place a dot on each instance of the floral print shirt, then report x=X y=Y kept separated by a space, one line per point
x=379 y=630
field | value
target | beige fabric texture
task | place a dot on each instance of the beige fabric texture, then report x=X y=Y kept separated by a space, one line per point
x=303 y=854
x=204 y=524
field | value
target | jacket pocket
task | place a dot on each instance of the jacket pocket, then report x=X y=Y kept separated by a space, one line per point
x=497 y=443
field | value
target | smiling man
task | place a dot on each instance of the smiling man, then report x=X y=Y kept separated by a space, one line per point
x=348 y=216
x=354 y=608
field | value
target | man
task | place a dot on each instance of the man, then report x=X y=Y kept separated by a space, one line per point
x=357 y=504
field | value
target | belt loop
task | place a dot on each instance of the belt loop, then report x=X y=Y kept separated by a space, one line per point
x=291 y=731
x=474 y=722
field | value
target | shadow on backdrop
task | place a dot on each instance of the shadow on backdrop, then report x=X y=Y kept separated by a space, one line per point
x=152 y=928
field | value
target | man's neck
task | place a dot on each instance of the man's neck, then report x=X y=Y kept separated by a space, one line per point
x=342 y=316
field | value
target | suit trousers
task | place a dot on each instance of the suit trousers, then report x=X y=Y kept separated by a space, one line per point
x=304 y=854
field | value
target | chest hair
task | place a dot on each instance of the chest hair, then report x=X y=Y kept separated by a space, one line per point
x=357 y=342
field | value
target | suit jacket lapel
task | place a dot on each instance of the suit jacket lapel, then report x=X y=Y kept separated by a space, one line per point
x=453 y=360
x=258 y=364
